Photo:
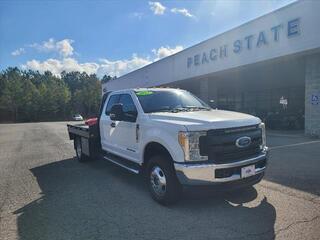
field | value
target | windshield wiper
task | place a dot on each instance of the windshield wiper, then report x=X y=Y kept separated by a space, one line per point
x=179 y=109
x=172 y=110
x=182 y=109
x=198 y=108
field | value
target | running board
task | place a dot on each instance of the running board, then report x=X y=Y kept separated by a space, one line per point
x=126 y=164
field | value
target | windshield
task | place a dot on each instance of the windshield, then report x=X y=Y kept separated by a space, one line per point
x=170 y=101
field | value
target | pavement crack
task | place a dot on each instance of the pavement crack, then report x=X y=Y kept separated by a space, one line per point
x=291 y=194
x=279 y=231
x=296 y=223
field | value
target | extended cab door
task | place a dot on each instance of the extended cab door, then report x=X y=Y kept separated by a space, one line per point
x=105 y=122
x=120 y=136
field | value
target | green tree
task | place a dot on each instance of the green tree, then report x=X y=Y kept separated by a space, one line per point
x=12 y=92
x=85 y=92
x=34 y=96
x=30 y=106
x=87 y=98
x=106 y=78
x=54 y=97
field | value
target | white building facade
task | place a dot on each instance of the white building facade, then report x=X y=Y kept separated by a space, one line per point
x=269 y=67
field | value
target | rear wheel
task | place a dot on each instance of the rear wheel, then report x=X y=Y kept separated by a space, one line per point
x=78 y=148
x=162 y=181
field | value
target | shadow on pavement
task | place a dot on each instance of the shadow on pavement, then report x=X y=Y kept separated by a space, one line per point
x=98 y=200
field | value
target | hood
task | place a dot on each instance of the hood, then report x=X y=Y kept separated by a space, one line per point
x=205 y=120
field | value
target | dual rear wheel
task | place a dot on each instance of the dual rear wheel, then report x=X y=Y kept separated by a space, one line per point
x=78 y=148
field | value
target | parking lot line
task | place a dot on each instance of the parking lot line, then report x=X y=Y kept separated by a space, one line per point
x=294 y=145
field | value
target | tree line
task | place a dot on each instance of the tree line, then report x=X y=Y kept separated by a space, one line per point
x=28 y=96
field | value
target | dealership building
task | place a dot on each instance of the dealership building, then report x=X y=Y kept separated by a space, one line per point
x=269 y=67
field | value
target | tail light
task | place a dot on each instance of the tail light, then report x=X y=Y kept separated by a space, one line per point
x=91 y=121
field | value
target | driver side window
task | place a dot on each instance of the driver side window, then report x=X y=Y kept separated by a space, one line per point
x=113 y=100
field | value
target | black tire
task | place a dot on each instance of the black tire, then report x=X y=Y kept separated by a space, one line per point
x=78 y=148
x=168 y=193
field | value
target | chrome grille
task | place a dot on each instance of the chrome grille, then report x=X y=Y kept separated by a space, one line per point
x=219 y=144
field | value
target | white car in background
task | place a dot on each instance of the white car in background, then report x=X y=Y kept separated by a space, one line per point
x=77 y=117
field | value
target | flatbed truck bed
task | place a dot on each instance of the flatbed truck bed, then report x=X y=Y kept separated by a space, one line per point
x=88 y=137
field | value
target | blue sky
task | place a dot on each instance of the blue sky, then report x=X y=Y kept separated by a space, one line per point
x=113 y=37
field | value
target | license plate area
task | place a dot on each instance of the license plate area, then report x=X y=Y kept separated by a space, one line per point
x=248 y=171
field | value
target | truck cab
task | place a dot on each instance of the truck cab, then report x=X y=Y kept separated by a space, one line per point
x=202 y=145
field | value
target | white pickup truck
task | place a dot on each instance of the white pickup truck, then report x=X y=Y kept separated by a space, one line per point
x=174 y=139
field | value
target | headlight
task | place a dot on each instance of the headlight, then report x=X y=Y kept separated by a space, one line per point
x=263 y=131
x=189 y=142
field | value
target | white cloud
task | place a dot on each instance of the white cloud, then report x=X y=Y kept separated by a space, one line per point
x=18 y=52
x=157 y=8
x=165 y=51
x=63 y=47
x=56 y=66
x=121 y=67
x=183 y=11
x=102 y=67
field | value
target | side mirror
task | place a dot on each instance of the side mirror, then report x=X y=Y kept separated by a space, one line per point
x=116 y=113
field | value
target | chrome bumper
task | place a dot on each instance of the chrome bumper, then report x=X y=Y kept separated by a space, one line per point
x=204 y=174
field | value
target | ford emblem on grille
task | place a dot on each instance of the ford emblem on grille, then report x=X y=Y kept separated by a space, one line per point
x=243 y=142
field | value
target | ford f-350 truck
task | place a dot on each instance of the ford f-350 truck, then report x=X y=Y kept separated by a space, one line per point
x=174 y=139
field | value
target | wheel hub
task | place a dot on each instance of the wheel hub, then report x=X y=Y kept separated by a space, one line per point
x=158 y=181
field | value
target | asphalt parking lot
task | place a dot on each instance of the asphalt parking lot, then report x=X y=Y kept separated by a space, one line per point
x=46 y=194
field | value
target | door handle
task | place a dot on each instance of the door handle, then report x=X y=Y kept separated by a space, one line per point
x=113 y=124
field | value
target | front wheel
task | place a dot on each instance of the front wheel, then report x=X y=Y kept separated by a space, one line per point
x=162 y=181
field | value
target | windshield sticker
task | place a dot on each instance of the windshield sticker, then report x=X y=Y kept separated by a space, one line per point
x=144 y=93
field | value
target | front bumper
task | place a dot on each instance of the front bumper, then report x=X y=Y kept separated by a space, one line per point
x=211 y=174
